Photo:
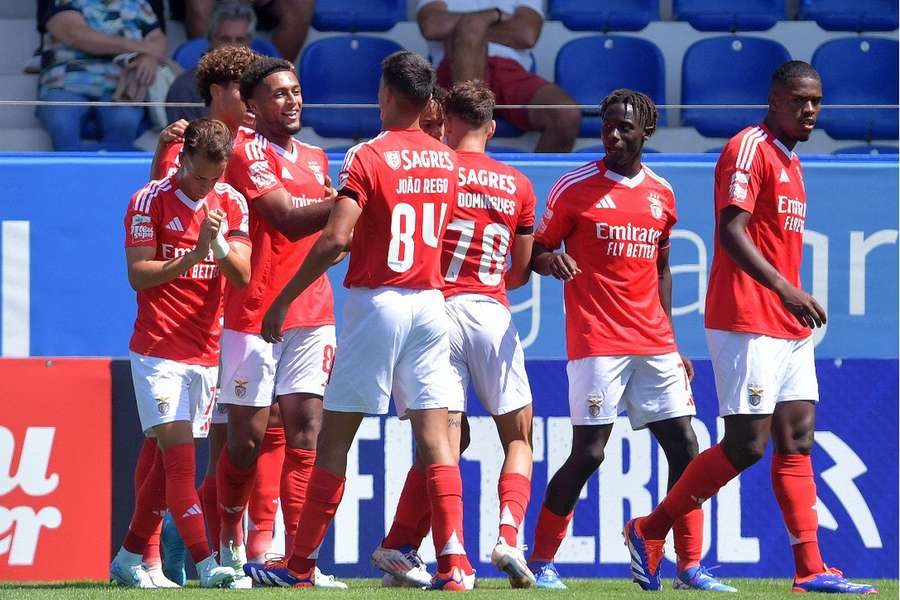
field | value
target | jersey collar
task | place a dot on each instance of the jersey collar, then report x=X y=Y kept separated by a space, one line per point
x=789 y=153
x=185 y=199
x=284 y=153
x=630 y=182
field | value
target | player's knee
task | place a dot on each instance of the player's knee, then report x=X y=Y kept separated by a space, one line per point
x=243 y=452
x=749 y=453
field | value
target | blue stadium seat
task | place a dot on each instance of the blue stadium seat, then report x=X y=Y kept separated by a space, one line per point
x=874 y=149
x=605 y=15
x=728 y=70
x=354 y=15
x=851 y=15
x=589 y=68
x=343 y=69
x=188 y=53
x=858 y=70
x=734 y=15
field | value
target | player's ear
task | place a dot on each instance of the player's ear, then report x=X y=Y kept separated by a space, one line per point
x=492 y=128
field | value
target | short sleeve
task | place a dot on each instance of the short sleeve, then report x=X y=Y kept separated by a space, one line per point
x=354 y=177
x=671 y=218
x=148 y=20
x=739 y=175
x=58 y=6
x=556 y=224
x=238 y=217
x=525 y=224
x=250 y=172
x=142 y=219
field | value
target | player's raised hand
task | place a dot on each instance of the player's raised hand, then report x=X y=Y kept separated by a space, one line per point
x=173 y=131
x=803 y=306
x=209 y=229
x=563 y=266
x=272 y=322
x=330 y=192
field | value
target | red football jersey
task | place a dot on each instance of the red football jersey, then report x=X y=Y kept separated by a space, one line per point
x=180 y=320
x=613 y=226
x=758 y=174
x=494 y=203
x=404 y=181
x=170 y=160
x=257 y=167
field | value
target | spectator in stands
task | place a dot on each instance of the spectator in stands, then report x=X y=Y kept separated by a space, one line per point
x=82 y=38
x=491 y=40
x=289 y=19
x=232 y=23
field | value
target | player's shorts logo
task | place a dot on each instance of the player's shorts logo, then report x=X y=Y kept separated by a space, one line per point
x=754 y=394
x=240 y=387
x=655 y=205
x=162 y=405
x=595 y=403
x=392 y=158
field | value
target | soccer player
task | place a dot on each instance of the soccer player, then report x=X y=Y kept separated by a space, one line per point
x=493 y=220
x=758 y=329
x=286 y=186
x=182 y=233
x=395 y=200
x=615 y=217
x=432 y=118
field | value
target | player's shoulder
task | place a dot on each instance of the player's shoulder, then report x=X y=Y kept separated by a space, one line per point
x=144 y=198
x=658 y=181
x=310 y=150
x=743 y=149
x=570 y=182
x=226 y=190
x=252 y=148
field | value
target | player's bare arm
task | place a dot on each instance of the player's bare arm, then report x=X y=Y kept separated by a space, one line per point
x=520 y=261
x=146 y=272
x=437 y=23
x=520 y=30
x=734 y=239
x=665 y=298
x=173 y=131
x=334 y=240
x=294 y=223
x=558 y=264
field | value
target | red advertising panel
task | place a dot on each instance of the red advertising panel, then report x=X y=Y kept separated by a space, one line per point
x=54 y=469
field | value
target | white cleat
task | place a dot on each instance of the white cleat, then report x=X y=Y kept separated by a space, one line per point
x=129 y=574
x=511 y=560
x=159 y=578
x=328 y=581
x=235 y=556
x=214 y=576
x=406 y=568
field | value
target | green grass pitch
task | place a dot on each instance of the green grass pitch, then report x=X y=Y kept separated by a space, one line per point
x=495 y=589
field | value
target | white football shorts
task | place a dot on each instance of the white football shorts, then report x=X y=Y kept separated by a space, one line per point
x=755 y=372
x=167 y=391
x=649 y=388
x=255 y=372
x=219 y=411
x=394 y=340
x=485 y=349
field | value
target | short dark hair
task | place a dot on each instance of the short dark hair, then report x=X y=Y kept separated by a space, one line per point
x=410 y=75
x=209 y=138
x=794 y=69
x=472 y=101
x=645 y=114
x=222 y=66
x=259 y=70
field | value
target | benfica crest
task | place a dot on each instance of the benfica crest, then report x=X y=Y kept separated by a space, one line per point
x=655 y=205
x=392 y=158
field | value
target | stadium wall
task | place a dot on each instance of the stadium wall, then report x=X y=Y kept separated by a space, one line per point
x=69 y=433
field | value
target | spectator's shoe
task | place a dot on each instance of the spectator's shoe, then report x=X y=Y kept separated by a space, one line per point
x=212 y=575
x=646 y=556
x=832 y=581
x=328 y=581
x=235 y=556
x=173 y=551
x=275 y=573
x=546 y=577
x=404 y=566
x=452 y=581
x=33 y=65
x=158 y=577
x=129 y=573
x=511 y=561
x=699 y=578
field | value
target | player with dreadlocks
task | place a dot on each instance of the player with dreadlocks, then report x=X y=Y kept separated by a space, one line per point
x=615 y=218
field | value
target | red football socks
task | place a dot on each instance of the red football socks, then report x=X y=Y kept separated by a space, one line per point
x=322 y=499
x=144 y=463
x=233 y=487
x=208 y=497
x=263 y=502
x=445 y=495
x=688 y=530
x=413 y=512
x=549 y=534
x=795 y=489
x=702 y=479
x=149 y=507
x=295 y=475
x=181 y=497
x=514 y=491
